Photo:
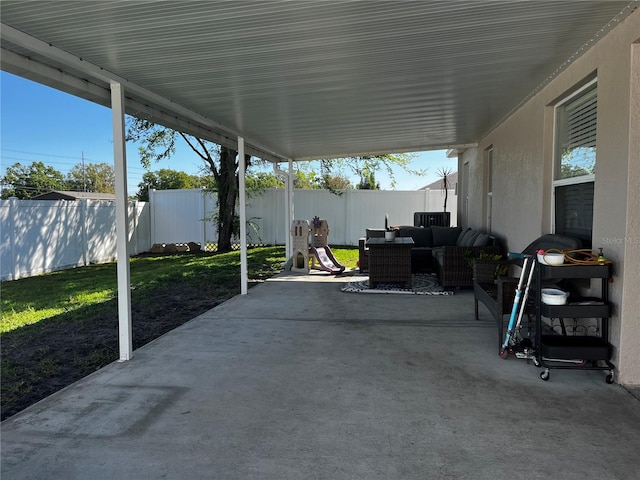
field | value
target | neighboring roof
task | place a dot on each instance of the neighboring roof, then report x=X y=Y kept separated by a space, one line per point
x=437 y=185
x=308 y=79
x=65 y=195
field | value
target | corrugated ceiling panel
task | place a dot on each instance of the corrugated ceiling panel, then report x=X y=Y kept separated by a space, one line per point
x=312 y=79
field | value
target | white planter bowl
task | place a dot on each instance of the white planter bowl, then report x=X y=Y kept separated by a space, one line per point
x=554 y=296
x=551 y=258
x=390 y=236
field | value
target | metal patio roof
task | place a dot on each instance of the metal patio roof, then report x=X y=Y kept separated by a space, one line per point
x=308 y=79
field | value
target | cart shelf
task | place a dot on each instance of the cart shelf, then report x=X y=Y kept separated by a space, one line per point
x=580 y=347
x=574 y=351
x=578 y=308
x=575 y=271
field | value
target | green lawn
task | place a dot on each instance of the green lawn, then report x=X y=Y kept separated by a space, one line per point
x=29 y=300
x=57 y=328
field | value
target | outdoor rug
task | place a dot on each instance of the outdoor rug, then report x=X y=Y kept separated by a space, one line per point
x=423 y=284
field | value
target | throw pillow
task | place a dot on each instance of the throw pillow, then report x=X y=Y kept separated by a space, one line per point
x=422 y=237
x=481 y=240
x=445 y=236
x=375 y=232
x=472 y=238
x=462 y=238
x=468 y=240
x=405 y=231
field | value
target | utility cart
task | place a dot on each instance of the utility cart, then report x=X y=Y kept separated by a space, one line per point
x=574 y=348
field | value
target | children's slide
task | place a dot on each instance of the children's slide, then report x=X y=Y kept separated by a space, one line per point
x=326 y=260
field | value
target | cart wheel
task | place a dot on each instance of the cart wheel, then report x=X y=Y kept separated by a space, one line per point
x=544 y=375
x=536 y=362
x=503 y=354
x=609 y=379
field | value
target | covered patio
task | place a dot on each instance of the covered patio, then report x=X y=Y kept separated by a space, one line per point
x=300 y=380
x=297 y=379
x=301 y=80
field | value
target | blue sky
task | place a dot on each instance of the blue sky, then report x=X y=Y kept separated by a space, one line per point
x=39 y=123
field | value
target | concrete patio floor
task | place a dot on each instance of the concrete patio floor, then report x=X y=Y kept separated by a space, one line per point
x=298 y=380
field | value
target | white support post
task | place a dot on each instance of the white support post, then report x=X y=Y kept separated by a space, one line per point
x=122 y=223
x=244 y=277
x=289 y=210
x=287 y=218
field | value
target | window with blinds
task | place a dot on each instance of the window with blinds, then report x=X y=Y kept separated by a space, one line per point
x=576 y=135
x=575 y=160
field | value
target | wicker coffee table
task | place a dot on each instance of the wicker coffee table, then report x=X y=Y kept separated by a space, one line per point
x=390 y=262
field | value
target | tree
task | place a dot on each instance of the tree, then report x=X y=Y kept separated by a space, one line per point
x=167 y=179
x=158 y=143
x=366 y=166
x=368 y=181
x=304 y=179
x=336 y=182
x=329 y=173
x=92 y=177
x=262 y=180
x=25 y=182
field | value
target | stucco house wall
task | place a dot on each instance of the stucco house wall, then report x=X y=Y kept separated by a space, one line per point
x=523 y=174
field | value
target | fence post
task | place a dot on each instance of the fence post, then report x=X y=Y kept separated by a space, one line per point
x=133 y=205
x=84 y=234
x=152 y=215
x=203 y=215
x=274 y=203
x=347 y=216
x=13 y=212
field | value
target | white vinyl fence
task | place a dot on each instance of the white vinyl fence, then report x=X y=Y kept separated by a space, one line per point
x=40 y=236
x=182 y=216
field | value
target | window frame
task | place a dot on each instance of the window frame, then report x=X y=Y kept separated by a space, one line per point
x=557 y=160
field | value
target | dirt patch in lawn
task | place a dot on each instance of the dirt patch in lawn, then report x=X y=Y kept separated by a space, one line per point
x=40 y=359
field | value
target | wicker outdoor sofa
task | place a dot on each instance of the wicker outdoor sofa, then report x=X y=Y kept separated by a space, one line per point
x=447 y=251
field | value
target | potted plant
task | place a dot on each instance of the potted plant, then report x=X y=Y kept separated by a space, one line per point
x=486 y=266
x=389 y=233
